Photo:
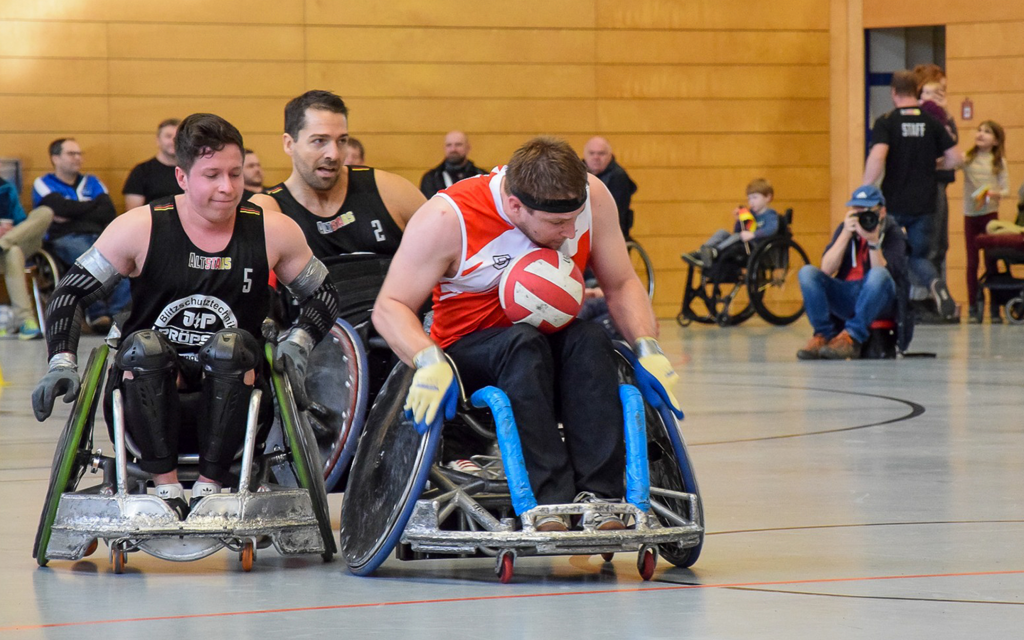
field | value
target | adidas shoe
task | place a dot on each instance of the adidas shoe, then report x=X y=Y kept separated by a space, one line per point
x=174 y=496
x=599 y=521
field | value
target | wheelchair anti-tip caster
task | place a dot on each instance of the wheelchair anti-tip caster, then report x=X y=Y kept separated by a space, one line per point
x=607 y=557
x=247 y=555
x=646 y=561
x=118 y=557
x=505 y=566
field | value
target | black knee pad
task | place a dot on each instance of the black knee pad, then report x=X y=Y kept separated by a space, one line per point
x=225 y=358
x=151 y=405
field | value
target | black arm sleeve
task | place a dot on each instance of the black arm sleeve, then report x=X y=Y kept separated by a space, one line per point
x=318 y=311
x=75 y=291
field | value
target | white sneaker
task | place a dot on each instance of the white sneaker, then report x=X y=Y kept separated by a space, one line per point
x=466 y=466
x=174 y=496
x=599 y=521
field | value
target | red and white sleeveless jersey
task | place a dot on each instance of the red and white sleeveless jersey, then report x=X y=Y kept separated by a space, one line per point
x=468 y=301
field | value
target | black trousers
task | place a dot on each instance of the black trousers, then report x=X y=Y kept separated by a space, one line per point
x=568 y=377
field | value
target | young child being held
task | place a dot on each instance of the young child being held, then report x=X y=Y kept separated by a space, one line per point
x=756 y=220
x=986 y=181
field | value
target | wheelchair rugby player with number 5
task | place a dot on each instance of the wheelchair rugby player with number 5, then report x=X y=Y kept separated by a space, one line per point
x=610 y=479
x=189 y=388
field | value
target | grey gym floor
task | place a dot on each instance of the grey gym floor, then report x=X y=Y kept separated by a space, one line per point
x=844 y=500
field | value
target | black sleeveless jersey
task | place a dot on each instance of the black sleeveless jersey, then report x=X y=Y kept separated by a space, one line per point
x=361 y=225
x=189 y=294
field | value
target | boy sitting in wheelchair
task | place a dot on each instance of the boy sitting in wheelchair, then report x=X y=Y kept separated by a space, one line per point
x=457 y=245
x=756 y=221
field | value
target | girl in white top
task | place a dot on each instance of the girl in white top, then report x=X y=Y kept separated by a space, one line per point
x=986 y=181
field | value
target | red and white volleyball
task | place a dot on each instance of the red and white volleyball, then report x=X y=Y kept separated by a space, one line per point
x=543 y=288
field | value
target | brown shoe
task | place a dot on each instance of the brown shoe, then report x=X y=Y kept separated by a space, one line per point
x=813 y=349
x=841 y=347
x=552 y=523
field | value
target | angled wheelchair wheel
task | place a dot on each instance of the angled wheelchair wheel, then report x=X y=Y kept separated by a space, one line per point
x=74 y=449
x=642 y=265
x=304 y=456
x=45 y=274
x=338 y=387
x=773 y=280
x=388 y=475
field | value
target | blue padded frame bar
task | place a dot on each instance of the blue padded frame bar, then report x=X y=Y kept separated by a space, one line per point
x=638 y=471
x=511 y=449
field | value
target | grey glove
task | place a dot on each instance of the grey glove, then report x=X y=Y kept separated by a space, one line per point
x=62 y=378
x=295 y=344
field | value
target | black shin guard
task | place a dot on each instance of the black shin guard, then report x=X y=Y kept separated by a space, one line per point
x=151 y=404
x=225 y=359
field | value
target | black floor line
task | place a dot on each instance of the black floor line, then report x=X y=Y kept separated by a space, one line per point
x=861 y=597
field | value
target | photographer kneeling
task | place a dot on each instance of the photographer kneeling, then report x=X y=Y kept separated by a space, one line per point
x=863 y=277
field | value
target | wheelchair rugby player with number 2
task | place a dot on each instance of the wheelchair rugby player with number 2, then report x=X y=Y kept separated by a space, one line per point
x=567 y=485
x=191 y=370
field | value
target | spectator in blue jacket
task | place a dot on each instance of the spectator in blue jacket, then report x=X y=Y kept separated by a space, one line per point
x=82 y=209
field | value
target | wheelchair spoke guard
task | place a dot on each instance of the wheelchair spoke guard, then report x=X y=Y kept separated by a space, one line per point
x=388 y=474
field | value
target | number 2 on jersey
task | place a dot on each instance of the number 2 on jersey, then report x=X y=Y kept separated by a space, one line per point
x=378 y=231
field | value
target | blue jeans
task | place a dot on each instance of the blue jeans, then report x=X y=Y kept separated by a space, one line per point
x=834 y=304
x=72 y=245
x=920 y=234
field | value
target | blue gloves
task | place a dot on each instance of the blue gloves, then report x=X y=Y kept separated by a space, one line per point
x=433 y=389
x=655 y=376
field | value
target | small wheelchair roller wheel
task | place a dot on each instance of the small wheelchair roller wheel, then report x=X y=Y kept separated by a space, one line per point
x=646 y=561
x=505 y=567
x=247 y=555
x=118 y=557
x=683 y=320
x=1015 y=310
x=607 y=557
x=91 y=549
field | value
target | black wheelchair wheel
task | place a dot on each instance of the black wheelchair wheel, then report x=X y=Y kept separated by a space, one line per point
x=304 y=456
x=642 y=265
x=388 y=475
x=74 y=449
x=337 y=388
x=773 y=280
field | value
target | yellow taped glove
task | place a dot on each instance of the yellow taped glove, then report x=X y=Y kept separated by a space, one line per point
x=433 y=388
x=655 y=376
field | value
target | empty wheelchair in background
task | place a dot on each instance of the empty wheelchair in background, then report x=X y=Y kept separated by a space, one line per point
x=642 y=265
x=758 y=277
x=45 y=271
x=401 y=497
x=118 y=510
x=1002 y=251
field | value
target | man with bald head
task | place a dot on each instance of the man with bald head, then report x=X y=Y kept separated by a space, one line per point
x=597 y=155
x=456 y=166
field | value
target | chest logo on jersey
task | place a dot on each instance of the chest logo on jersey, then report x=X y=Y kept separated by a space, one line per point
x=500 y=262
x=206 y=263
x=191 y=321
x=330 y=226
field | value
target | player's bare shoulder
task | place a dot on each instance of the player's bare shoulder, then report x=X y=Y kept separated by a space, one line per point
x=265 y=202
x=401 y=197
x=125 y=241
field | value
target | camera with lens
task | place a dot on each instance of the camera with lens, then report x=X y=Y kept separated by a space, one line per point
x=868 y=219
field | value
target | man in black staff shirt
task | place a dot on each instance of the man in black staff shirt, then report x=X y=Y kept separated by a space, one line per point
x=597 y=155
x=154 y=178
x=456 y=166
x=906 y=143
x=342 y=210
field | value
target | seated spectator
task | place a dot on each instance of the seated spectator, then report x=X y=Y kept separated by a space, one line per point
x=82 y=209
x=864 y=276
x=355 y=154
x=20 y=236
x=456 y=166
x=597 y=155
x=155 y=177
x=252 y=174
x=759 y=221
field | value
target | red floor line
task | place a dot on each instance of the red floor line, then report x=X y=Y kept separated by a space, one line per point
x=365 y=605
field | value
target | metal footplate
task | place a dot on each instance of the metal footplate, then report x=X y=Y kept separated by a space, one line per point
x=284 y=516
x=423 y=533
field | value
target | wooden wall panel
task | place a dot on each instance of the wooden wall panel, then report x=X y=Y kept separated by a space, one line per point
x=909 y=13
x=986 y=39
x=696 y=97
x=423 y=45
x=134 y=41
x=20 y=39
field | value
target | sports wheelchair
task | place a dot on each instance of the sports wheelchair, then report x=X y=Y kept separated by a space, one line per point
x=399 y=496
x=261 y=512
x=642 y=265
x=757 y=277
x=1002 y=251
